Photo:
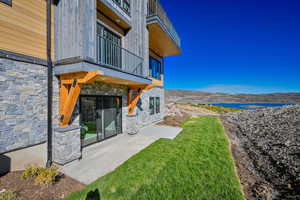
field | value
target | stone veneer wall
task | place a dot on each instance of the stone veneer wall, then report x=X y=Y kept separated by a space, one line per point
x=23 y=104
x=65 y=151
x=142 y=115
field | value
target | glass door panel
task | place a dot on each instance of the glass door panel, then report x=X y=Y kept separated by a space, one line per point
x=88 y=118
x=110 y=116
x=119 y=114
x=100 y=118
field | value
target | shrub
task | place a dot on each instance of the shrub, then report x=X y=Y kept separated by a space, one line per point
x=8 y=195
x=31 y=171
x=47 y=175
x=41 y=175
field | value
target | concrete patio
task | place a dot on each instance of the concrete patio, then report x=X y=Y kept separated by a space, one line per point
x=102 y=158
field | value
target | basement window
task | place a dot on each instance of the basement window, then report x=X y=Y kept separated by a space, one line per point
x=7 y=2
x=151 y=106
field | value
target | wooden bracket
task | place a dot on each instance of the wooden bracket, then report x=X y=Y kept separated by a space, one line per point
x=70 y=87
x=132 y=103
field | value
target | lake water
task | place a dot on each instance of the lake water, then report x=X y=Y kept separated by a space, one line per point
x=244 y=105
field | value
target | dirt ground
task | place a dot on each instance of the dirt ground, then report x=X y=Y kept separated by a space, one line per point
x=176 y=114
x=174 y=120
x=27 y=190
x=253 y=185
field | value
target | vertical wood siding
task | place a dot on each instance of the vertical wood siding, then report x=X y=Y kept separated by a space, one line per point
x=75 y=29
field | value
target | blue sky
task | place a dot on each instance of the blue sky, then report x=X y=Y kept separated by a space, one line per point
x=235 y=46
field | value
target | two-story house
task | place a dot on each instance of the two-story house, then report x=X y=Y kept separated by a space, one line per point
x=108 y=71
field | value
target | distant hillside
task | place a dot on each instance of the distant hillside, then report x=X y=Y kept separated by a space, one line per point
x=198 y=97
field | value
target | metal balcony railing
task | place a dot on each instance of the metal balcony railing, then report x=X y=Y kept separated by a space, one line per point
x=156 y=9
x=124 y=5
x=111 y=55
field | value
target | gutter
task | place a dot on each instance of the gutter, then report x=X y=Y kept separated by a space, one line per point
x=50 y=86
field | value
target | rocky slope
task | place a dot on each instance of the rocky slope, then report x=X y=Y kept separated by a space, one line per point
x=267 y=151
x=196 y=97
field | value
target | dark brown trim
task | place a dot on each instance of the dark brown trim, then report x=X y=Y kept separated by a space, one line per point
x=22 y=58
x=50 y=86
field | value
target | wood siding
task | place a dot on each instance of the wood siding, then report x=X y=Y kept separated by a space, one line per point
x=136 y=39
x=23 y=28
x=75 y=29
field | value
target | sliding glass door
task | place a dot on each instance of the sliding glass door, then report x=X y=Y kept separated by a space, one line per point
x=100 y=118
x=89 y=119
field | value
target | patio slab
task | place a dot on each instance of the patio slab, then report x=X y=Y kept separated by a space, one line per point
x=104 y=157
x=159 y=131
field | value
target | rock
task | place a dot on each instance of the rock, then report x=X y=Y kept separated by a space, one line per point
x=271 y=138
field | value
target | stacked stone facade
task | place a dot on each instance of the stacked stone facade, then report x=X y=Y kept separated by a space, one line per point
x=66 y=144
x=23 y=104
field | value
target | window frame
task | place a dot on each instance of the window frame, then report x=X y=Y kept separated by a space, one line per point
x=157 y=105
x=122 y=3
x=7 y=2
x=152 y=105
x=159 y=72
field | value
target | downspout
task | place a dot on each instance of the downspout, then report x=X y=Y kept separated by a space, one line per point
x=50 y=86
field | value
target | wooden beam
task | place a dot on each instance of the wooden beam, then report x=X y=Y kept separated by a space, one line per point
x=63 y=94
x=90 y=77
x=129 y=94
x=134 y=102
x=68 y=98
x=82 y=77
x=70 y=103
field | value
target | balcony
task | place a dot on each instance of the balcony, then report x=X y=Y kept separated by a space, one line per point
x=114 y=65
x=163 y=38
x=119 y=11
x=115 y=57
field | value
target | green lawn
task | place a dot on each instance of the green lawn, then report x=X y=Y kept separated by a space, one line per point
x=196 y=165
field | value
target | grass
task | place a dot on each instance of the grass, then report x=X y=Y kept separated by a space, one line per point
x=197 y=164
x=218 y=109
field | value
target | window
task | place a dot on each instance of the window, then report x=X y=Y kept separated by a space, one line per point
x=118 y=2
x=151 y=105
x=109 y=47
x=155 y=68
x=124 y=4
x=8 y=2
x=154 y=105
x=157 y=105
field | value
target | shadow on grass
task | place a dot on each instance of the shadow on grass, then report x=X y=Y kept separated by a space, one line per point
x=93 y=195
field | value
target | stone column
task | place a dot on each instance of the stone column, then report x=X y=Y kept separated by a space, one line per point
x=66 y=144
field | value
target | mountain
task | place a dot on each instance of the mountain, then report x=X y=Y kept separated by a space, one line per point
x=198 y=97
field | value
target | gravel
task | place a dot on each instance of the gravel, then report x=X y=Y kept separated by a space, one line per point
x=271 y=138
